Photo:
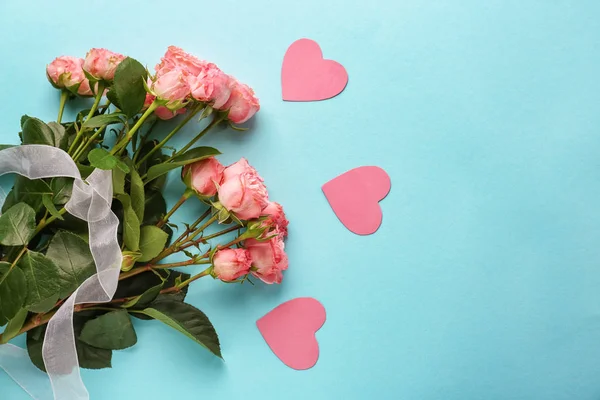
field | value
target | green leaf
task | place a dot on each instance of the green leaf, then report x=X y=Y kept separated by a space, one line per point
x=137 y=194
x=17 y=225
x=30 y=191
x=37 y=132
x=152 y=242
x=189 y=157
x=118 y=181
x=45 y=305
x=145 y=298
x=101 y=120
x=131 y=224
x=61 y=139
x=14 y=326
x=61 y=188
x=35 y=341
x=102 y=159
x=155 y=207
x=72 y=255
x=112 y=331
x=49 y=204
x=42 y=276
x=89 y=356
x=13 y=290
x=127 y=90
x=188 y=320
x=24 y=119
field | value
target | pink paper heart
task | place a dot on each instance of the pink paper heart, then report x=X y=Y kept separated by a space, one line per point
x=289 y=330
x=354 y=197
x=306 y=76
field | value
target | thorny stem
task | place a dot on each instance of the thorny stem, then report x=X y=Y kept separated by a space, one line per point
x=100 y=89
x=89 y=141
x=214 y=123
x=123 y=143
x=170 y=135
x=186 y=195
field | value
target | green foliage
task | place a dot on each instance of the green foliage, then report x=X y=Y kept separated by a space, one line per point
x=42 y=276
x=49 y=204
x=71 y=254
x=152 y=242
x=189 y=157
x=102 y=159
x=137 y=194
x=61 y=189
x=188 y=320
x=128 y=91
x=145 y=298
x=27 y=191
x=14 y=325
x=131 y=224
x=104 y=119
x=37 y=132
x=154 y=208
x=17 y=225
x=112 y=331
x=13 y=290
x=89 y=356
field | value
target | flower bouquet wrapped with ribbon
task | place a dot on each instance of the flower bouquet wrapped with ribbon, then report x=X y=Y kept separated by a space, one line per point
x=85 y=232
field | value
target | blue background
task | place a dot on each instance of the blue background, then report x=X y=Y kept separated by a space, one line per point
x=483 y=281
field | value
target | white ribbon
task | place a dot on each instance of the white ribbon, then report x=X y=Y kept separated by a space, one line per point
x=90 y=202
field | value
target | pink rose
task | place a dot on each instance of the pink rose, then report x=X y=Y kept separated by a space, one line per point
x=276 y=220
x=231 y=264
x=171 y=86
x=204 y=176
x=242 y=103
x=211 y=86
x=102 y=63
x=243 y=191
x=149 y=99
x=67 y=72
x=176 y=58
x=268 y=258
x=165 y=114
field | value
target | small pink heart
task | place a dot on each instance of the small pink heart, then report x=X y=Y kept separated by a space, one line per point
x=354 y=197
x=289 y=330
x=306 y=76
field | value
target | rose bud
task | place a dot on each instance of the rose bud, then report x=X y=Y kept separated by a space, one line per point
x=102 y=63
x=211 y=86
x=243 y=191
x=67 y=72
x=203 y=176
x=231 y=264
x=268 y=259
x=242 y=103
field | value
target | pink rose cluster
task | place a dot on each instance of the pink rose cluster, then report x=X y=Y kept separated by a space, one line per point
x=180 y=77
x=242 y=192
x=67 y=72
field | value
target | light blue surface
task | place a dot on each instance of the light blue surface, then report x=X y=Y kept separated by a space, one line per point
x=483 y=281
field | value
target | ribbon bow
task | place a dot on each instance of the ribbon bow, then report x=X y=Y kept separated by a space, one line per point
x=90 y=202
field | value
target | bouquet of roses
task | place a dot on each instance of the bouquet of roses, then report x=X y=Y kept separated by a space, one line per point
x=56 y=228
